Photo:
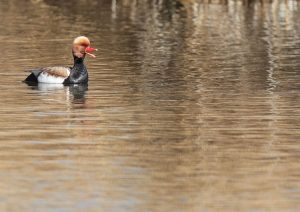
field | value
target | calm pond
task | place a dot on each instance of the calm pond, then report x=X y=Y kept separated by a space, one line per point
x=191 y=106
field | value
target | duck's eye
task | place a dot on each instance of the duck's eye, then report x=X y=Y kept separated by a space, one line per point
x=82 y=49
x=79 y=49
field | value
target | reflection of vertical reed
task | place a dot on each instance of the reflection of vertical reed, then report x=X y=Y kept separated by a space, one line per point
x=113 y=9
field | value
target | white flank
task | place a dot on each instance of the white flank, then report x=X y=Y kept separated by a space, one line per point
x=44 y=77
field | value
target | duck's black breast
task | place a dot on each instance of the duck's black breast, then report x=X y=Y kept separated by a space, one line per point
x=77 y=77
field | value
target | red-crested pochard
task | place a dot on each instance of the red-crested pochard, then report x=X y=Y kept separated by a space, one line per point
x=63 y=75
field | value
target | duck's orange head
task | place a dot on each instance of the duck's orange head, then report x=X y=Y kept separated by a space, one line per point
x=82 y=46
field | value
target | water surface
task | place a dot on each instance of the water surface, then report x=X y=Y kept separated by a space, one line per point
x=191 y=106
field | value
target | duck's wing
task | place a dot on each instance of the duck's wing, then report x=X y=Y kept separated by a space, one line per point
x=52 y=74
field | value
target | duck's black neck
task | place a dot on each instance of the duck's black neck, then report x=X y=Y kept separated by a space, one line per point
x=78 y=63
x=78 y=73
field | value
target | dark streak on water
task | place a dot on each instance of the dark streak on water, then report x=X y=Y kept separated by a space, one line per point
x=191 y=108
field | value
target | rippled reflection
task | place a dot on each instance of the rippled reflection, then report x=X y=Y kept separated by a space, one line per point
x=191 y=106
x=76 y=91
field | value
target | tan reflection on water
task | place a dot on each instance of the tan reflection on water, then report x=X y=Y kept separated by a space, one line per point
x=190 y=107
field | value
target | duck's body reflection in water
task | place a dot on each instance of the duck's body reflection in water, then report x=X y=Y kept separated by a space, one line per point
x=74 y=93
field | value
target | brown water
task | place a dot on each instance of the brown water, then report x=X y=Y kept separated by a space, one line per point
x=190 y=107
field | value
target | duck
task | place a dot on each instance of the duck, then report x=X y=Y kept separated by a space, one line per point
x=77 y=74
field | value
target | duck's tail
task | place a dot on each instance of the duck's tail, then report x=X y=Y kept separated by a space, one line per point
x=33 y=76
